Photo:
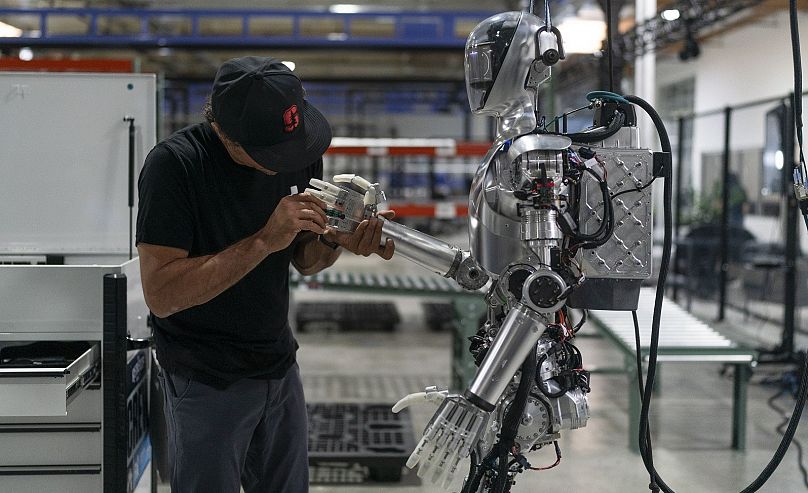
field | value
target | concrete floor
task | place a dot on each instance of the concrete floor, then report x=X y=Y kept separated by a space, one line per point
x=691 y=418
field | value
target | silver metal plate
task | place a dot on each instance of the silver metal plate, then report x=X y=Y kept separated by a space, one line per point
x=627 y=255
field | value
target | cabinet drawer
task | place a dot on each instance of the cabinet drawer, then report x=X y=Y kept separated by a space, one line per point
x=50 y=445
x=37 y=389
x=85 y=408
x=50 y=480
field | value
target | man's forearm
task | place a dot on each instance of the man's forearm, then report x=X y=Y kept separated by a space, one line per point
x=186 y=282
x=311 y=256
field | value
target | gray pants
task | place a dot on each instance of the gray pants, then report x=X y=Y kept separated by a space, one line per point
x=254 y=433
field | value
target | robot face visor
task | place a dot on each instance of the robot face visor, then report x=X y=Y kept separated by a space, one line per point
x=479 y=73
x=486 y=49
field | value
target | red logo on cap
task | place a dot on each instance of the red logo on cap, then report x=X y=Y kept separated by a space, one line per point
x=291 y=119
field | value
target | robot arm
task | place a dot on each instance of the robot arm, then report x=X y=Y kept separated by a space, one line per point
x=349 y=207
x=436 y=255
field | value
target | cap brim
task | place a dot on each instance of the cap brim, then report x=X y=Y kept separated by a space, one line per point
x=298 y=154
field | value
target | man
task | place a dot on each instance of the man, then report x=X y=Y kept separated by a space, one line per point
x=220 y=219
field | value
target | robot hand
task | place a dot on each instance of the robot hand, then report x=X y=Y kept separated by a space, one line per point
x=347 y=207
x=449 y=437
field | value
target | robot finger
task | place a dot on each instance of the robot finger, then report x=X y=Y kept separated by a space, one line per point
x=450 y=473
x=440 y=466
x=353 y=179
x=330 y=200
x=325 y=186
x=424 y=467
x=410 y=399
x=431 y=395
x=429 y=457
x=415 y=456
x=370 y=197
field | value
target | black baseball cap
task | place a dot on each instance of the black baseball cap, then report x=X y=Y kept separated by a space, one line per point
x=258 y=102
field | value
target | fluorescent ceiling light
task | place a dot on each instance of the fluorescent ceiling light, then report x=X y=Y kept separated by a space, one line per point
x=9 y=31
x=26 y=54
x=344 y=8
x=670 y=14
x=289 y=64
x=584 y=31
x=582 y=35
x=591 y=12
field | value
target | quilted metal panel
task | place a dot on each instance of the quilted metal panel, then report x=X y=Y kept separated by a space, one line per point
x=627 y=255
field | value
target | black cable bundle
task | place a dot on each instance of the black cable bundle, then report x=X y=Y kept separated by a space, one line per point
x=600 y=133
x=644 y=435
x=510 y=423
x=780 y=429
x=571 y=375
x=606 y=228
x=788 y=436
x=795 y=51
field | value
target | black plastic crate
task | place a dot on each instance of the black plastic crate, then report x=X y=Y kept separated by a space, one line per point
x=352 y=443
x=438 y=316
x=379 y=316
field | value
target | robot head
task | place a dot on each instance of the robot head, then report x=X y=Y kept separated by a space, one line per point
x=504 y=68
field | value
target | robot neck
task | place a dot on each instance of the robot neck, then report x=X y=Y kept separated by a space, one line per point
x=520 y=119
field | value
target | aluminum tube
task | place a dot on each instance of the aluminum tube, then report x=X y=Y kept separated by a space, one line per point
x=426 y=251
x=519 y=332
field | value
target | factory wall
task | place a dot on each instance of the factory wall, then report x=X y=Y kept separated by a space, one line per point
x=726 y=75
x=749 y=63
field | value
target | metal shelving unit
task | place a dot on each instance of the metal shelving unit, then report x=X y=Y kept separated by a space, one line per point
x=227 y=28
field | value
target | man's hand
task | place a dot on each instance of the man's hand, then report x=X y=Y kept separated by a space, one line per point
x=294 y=213
x=367 y=238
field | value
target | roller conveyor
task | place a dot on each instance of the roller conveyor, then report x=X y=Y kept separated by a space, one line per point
x=380 y=283
x=684 y=339
x=679 y=330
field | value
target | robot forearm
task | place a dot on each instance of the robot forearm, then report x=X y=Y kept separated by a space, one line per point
x=436 y=255
x=426 y=251
x=349 y=207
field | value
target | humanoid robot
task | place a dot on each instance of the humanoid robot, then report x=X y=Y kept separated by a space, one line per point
x=556 y=221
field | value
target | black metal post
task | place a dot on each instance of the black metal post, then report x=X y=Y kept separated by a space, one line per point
x=680 y=154
x=792 y=236
x=114 y=384
x=722 y=284
x=131 y=121
x=609 y=35
x=433 y=179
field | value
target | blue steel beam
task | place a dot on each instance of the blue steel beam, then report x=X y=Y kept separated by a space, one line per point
x=409 y=29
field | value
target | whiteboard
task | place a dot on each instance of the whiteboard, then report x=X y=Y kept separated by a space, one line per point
x=64 y=159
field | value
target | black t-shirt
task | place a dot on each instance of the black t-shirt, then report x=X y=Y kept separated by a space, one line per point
x=193 y=196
